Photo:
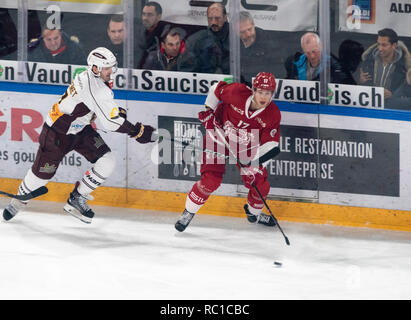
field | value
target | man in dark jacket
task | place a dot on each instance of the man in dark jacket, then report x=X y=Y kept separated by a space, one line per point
x=148 y=34
x=401 y=98
x=208 y=51
x=54 y=46
x=385 y=64
x=116 y=34
x=168 y=55
x=309 y=65
x=257 y=51
x=349 y=56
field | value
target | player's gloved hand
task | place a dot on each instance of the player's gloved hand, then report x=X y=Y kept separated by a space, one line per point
x=145 y=133
x=207 y=118
x=122 y=112
x=250 y=174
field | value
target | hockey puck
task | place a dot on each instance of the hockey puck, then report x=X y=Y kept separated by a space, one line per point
x=277 y=264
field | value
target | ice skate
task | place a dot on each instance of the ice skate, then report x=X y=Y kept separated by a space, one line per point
x=77 y=206
x=261 y=218
x=12 y=209
x=184 y=220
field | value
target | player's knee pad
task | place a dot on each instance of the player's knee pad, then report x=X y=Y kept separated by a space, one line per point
x=254 y=199
x=105 y=165
x=202 y=189
x=263 y=186
x=209 y=182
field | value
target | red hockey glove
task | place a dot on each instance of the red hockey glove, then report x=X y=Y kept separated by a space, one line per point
x=207 y=118
x=249 y=175
x=144 y=133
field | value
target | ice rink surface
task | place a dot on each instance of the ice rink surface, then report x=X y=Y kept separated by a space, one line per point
x=137 y=254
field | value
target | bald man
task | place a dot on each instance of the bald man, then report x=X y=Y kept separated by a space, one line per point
x=309 y=64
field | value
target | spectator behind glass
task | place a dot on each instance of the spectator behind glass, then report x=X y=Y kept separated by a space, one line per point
x=308 y=65
x=349 y=55
x=8 y=31
x=208 y=51
x=401 y=98
x=116 y=34
x=8 y=36
x=54 y=46
x=149 y=33
x=167 y=57
x=257 y=49
x=385 y=63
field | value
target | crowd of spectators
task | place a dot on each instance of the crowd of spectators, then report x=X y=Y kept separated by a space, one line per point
x=162 y=45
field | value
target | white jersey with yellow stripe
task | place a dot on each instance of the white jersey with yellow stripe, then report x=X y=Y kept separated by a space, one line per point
x=87 y=97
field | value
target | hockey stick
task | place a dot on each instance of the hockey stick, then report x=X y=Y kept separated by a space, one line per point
x=218 y=130
x=186 y=144
x=25 y=197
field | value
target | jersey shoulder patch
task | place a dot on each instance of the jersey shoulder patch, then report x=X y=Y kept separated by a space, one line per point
x=114 y=114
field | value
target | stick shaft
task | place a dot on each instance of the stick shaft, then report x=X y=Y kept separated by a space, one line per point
x=186 y=144
x=218 y=130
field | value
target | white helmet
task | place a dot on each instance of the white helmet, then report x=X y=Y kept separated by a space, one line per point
x=102 y=58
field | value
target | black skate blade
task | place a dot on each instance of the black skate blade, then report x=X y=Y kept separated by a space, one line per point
x=73 y=212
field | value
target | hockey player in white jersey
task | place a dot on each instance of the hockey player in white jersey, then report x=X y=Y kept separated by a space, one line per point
x=68 y=127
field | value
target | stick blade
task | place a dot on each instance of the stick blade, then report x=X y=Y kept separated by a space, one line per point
x=25 y=197
x=34 y=194
x=39 y=192
x=287 y=241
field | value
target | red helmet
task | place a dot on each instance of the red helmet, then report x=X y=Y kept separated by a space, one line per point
x=265 y=81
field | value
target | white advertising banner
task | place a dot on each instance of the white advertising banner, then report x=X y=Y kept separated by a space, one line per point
x=355 y=96
x=338 y=94
x=267 y=14
x=193 y=83
x=141 y=80
x=369 y=16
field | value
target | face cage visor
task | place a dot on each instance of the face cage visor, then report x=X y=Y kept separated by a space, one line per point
x=114 y=68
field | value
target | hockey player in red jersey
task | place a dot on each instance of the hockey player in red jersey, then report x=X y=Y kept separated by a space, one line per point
x=249 y=121
x=68 y=127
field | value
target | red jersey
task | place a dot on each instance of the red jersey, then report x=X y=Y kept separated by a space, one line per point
x=252 y=130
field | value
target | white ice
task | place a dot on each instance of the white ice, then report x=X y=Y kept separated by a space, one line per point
x=137 y=254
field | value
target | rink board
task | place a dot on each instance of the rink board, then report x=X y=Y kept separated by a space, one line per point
x=233 y=206
x=363 y=178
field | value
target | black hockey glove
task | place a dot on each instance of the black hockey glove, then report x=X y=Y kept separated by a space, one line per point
x=144 y=133
x=122 y=112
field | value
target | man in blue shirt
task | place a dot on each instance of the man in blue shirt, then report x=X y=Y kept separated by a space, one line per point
x=309 y=64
